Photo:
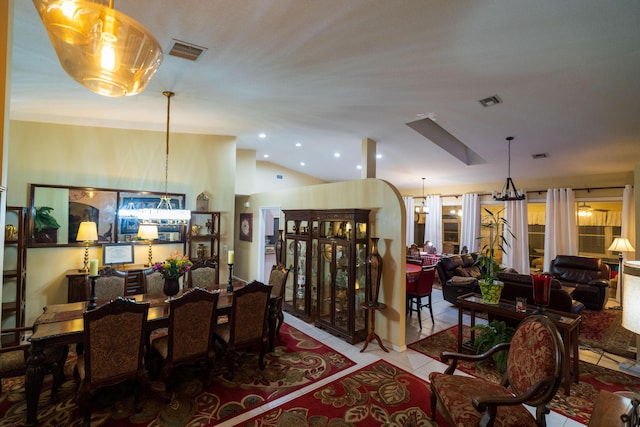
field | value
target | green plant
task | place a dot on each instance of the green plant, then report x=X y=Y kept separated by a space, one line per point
x=487 y=336
x=43 y=219
x=496 y=243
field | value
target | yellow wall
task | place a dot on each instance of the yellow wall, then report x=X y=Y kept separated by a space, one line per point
x=386 y=223
x=52 y=154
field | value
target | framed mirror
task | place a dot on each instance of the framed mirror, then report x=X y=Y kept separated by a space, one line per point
x=55 y=213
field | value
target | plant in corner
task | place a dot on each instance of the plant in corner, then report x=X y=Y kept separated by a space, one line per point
x=46 y=225
x=497 y=226
x=487 y=336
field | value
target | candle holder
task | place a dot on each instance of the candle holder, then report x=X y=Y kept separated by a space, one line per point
x=92 y=297
x=230 y=282
x=541 y=292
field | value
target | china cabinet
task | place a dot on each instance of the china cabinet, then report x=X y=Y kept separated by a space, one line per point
x=14 y=272
x=203 y=238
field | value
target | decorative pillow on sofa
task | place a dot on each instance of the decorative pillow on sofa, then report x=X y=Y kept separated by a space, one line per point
x=462 y=272
x=462 y=281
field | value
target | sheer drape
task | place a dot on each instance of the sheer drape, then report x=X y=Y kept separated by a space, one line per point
x=409 y=206
x=517 y=251
x=628 y=228
x=470 y=222
x=560 y=232
x=433 y=225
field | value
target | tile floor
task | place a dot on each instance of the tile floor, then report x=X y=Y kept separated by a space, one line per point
x=446 y=316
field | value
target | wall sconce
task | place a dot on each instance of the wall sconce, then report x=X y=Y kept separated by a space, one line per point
x=148 y=232
x=87 y=232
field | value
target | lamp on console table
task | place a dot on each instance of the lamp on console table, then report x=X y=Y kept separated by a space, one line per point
x=148 y=232
x=621 y=245
x=87 y=232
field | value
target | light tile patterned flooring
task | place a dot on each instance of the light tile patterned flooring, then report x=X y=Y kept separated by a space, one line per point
x=445 y=316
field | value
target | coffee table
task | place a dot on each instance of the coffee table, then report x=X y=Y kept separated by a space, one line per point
x=568 y=324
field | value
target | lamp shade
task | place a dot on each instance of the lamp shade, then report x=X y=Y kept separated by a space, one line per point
x=621 y=244
x=630 y=313
x=87 y=232
x=148 y=231
x=104 y=50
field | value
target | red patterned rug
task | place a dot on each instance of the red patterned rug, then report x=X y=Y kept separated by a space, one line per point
x=602 y=330
x=378 y=394
x=297 y=361
x=577 y=406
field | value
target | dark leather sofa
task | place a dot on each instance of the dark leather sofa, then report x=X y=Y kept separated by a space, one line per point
x=458 y=275
x=521 y=285
x=589 y=277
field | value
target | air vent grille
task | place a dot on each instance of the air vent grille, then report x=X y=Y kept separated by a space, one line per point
x=540 y=155
x=186 y=50
x=490 y=101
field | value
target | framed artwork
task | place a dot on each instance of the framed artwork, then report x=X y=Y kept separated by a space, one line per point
x=246 y=227
x=117 y=253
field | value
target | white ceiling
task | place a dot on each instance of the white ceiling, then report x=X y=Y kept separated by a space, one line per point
x=327 y=73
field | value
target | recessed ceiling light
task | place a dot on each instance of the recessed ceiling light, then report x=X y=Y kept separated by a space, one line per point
x=336 y=154
x=262 y=135
x=298 y=144
x=359 y=167
x=265 y=156
x=378 y=156
x=301 y=163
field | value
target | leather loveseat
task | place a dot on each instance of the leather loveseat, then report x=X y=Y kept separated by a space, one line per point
x=589 y=277
x=521 y=285
x=458 y=275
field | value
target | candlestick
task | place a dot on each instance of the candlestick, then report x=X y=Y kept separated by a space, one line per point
x=93 y=267
x=92 y=298
x=230 y=257
x=230 y=283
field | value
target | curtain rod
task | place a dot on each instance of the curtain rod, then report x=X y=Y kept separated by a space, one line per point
x=588 y=189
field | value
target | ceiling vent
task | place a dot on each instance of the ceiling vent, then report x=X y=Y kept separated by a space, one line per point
x=186 y=50
x=540 y=156
x=490 y=101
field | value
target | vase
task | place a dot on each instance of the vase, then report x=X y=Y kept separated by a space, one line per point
x=374 y=272
x=491 y=291
x=279 y=243
x=171 y=286
x=201 y=251
x=541 y=291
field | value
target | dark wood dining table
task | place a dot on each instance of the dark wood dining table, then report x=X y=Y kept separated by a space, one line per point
x=63 y=324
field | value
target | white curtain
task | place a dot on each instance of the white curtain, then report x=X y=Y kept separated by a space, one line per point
x=470 y=222
x=433 y=225
x=409 y=206
x=628 y=228
x=560 y=232
x=517 y=250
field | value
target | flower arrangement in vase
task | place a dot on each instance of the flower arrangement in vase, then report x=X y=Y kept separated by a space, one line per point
x=497 y=226
x=172 y=269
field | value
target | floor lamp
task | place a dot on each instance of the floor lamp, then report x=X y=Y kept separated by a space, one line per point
x=631 y=316
x=621 y=245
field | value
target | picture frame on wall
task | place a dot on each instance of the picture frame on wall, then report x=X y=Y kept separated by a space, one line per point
x=246 y=227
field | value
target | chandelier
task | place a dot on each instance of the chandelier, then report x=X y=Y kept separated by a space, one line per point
x=165 y=212
x=584 y=210
x=509 y=191
x=104 y=50
x=422 y=209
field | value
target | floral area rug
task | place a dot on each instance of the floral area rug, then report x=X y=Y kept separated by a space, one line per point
x=602 y=330
x=297 y=361
x=577 y=406
x=378 y=394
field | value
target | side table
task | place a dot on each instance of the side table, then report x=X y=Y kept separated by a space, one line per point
x=371 y=308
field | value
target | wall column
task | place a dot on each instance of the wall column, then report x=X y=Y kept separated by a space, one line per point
x=368 y=158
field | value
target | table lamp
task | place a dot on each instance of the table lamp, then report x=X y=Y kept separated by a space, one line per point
x=621 y=245
x=87 y=232
x=148 y=232
x=631 y=316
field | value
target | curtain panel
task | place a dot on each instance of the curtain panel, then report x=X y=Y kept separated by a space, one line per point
x=517 y=246
x=470 y=222
x=409 y=206
x=560 y=232
x=433 y=225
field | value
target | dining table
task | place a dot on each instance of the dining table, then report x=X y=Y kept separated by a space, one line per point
x=63 y=324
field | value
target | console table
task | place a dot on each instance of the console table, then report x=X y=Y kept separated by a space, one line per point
x=566 y=323
x=78 y=285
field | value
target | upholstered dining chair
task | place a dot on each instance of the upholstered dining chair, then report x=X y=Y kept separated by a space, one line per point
x=533 y=375
x=113 y=338
x=13 y=359
x=247 y=326
x=278 y=279
x=153 y=282
x=190 y=337
x=110 y=284
x=418 y=289
x=202 y=274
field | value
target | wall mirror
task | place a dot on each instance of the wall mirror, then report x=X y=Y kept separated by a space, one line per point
x=55 y=213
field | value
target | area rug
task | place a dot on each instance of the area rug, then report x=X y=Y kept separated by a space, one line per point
x=378 y=394
x=577 y=406
x=602 y=330
x=297 y=361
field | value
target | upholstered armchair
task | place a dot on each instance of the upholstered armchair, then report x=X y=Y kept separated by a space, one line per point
x=533 y=375
x=110 y=284
x=202 y=274
x=458 y=275
x=278 y=279
x=589 y=277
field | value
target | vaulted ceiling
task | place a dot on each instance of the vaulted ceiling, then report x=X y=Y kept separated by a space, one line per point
x=327 y=73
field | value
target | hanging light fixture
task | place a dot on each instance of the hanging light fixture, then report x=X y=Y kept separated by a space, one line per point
x=584 y=210
x=509 y=191
x=422 y=209
x=165 y=212
x=104 y=50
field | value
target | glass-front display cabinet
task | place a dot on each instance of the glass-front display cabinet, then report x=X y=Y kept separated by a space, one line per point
x=343 y=237
x=300 y=243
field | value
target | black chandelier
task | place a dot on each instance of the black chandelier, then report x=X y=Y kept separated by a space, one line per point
x=509 y=191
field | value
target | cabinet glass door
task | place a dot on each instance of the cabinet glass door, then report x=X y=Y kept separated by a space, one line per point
x=361 y=285
x=300 y=276
x=342 y=299
x=325 y=276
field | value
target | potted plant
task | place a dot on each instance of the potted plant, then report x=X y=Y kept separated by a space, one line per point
x=46 y=226
x=487 y=336
x=497 y=226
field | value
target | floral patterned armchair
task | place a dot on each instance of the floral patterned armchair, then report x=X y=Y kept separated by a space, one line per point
x=533 y=375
